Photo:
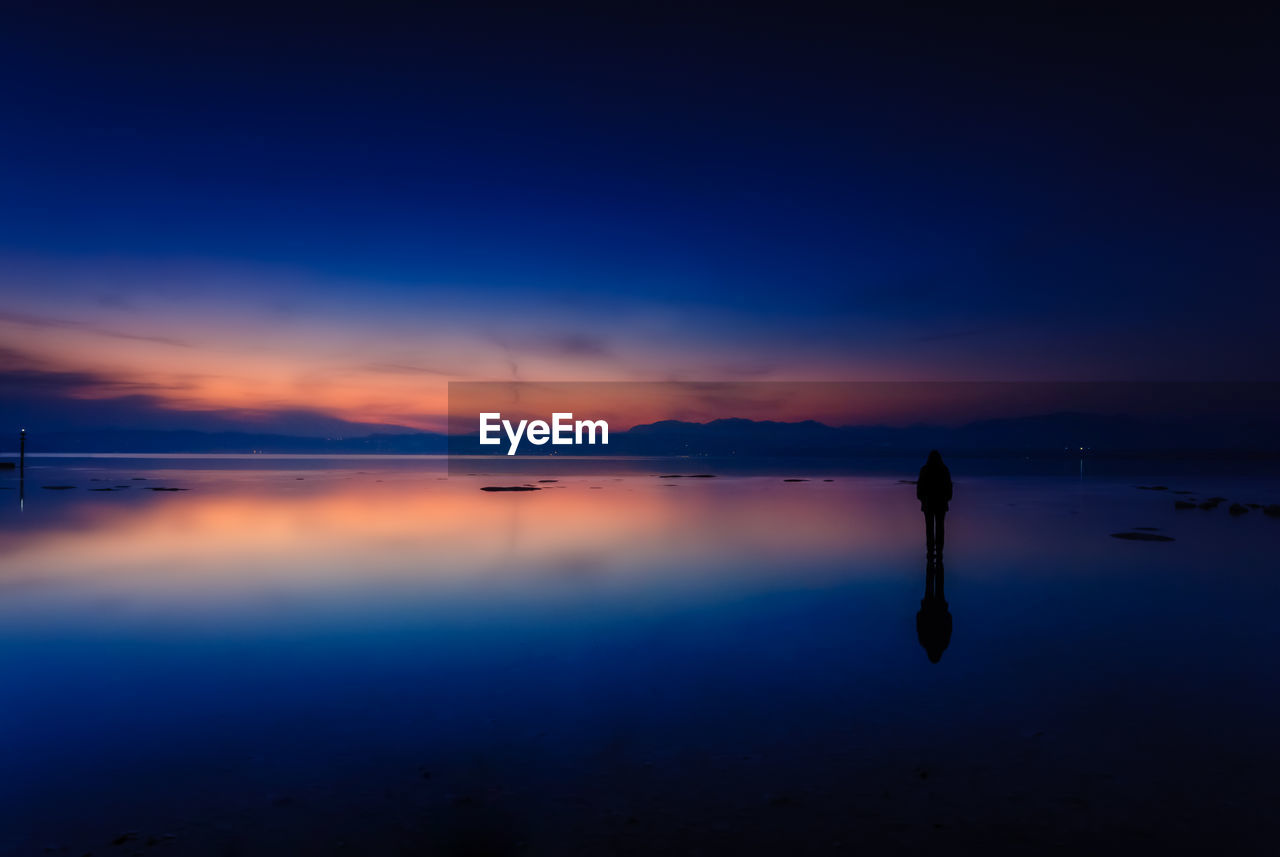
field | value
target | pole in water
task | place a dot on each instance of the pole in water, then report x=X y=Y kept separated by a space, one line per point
x=22 y=453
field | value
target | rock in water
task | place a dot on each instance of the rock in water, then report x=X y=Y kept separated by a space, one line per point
x=1237 y=509
x=1141 y=536
x=509 y=488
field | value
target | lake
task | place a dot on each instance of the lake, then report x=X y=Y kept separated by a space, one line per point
x=373 y=656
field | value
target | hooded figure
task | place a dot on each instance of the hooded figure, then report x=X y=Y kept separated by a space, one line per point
x=933 y=490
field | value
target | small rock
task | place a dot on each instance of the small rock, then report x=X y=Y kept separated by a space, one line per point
x=509 y=488
x=1236 y=509
x=1152 y=487
x=1142 y=537
x=1272 y=510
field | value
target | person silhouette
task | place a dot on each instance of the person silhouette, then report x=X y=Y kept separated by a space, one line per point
x=933 y=622
x=933 y=490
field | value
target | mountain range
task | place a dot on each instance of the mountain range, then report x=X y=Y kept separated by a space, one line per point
x=1049 y=433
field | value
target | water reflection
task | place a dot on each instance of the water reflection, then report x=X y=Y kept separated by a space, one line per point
x=383 y=534
x=933 y=622
x=412 y=665
x=394 y=532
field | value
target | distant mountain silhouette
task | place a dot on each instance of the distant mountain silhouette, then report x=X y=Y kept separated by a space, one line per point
x=1058 y=433
x=1049 y=433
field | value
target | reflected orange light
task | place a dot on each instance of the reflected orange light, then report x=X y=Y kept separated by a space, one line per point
x=353 y=531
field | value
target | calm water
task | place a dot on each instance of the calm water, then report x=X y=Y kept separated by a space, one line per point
x=367 y=657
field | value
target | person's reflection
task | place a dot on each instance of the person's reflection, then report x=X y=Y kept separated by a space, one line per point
x=933 y=490
x=933 y=622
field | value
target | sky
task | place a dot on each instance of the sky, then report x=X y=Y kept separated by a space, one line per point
x=310 y=221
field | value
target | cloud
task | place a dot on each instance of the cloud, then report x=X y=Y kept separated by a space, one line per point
x=409 y=369
x=50 y=399
x=26 y=377
x=757 y=369
x=509 y=356
x=942 y=336
x=41 y=321
x=114 y=300
x=572 y=345
x=578 y=345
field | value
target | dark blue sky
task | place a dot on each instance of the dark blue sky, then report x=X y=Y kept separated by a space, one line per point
x=794 y=192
